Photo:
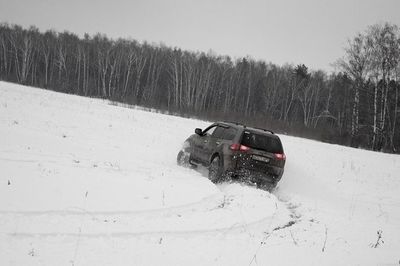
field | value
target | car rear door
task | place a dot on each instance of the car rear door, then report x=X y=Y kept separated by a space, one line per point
x=212 y=144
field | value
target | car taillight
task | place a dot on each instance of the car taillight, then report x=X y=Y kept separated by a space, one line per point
x=239 y=147
x=280 y=156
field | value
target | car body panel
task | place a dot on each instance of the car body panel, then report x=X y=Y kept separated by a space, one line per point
x=257 y=164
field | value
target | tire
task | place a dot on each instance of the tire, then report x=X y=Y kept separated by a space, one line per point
x=183 y=158
x=215 y=169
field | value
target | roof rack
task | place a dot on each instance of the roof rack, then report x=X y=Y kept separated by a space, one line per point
x=263 y=129
x=235 y=123
x=240 y=124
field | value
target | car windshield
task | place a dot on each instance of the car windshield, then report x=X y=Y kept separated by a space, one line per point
x=262 y=142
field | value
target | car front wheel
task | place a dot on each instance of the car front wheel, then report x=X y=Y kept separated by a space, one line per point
x=183 y=158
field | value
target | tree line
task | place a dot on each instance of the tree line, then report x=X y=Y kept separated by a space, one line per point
x=358 y=106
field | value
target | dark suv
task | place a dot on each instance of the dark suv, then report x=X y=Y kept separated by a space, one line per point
x=236 y=151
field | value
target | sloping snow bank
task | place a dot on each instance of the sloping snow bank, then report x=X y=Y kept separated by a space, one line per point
x=83 y=181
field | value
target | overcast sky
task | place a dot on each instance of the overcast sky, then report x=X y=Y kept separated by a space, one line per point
x=313 y=32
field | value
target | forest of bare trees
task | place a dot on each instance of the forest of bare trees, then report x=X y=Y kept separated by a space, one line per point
x=358 y=106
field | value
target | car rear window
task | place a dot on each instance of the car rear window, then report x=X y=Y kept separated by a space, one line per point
x=262 y=142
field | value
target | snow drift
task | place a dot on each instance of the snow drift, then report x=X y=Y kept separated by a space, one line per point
x=84 y=182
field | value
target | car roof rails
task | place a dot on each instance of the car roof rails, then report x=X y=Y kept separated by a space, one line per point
x=235 y=123
x=240 y=124
x=263 y=129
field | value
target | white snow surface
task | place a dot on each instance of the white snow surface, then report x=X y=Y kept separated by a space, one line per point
x=85 y=182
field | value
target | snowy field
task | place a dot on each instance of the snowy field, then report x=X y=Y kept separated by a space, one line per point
x=83 y=182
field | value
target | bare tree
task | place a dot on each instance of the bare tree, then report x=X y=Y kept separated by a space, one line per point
x=358 y=104
x=355 y=64
x=382 y=40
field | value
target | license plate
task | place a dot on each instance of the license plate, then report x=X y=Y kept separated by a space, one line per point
x=260 y=158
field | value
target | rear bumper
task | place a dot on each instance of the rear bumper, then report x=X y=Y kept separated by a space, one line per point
x=237 y=168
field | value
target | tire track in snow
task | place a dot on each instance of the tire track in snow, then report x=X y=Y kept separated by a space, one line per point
x=80 y=211
x=266 y=223
x=223 y=212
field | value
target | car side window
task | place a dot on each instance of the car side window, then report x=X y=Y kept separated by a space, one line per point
x=209 y=131
x=229 y=133
x=218 y=133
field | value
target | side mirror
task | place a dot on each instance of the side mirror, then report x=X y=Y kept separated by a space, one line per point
x=198 y=131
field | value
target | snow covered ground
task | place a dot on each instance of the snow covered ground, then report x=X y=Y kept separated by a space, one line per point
x=83 y=182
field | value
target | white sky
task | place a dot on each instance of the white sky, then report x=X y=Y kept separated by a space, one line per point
x=312 y=32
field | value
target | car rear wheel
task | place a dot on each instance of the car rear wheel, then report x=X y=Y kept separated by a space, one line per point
x=215 y=170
